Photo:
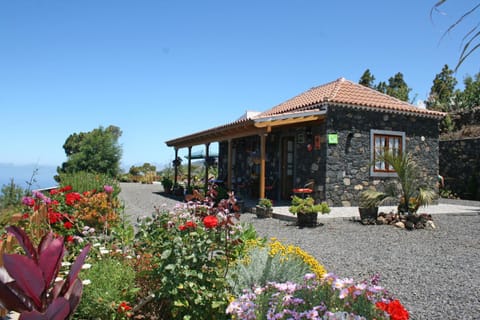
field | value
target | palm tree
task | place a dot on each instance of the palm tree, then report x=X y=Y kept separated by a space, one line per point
x=407 y=174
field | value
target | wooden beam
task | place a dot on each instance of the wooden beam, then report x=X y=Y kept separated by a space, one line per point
x=283 y=122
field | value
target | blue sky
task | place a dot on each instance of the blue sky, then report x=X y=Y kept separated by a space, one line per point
x=164 y=69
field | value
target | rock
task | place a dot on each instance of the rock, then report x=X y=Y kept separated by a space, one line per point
x=400 y=225
x=409 y=225
x=381 y=220
x=430 y=225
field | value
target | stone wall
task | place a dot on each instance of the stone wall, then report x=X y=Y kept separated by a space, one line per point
x=460 y=167
x=348 y=162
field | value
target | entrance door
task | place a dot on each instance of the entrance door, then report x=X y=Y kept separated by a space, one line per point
x=287 y=167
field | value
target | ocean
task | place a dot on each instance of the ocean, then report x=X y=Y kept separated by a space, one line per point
x=22 y=174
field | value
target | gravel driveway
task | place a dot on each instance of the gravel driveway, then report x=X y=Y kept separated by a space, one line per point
x=434 y=273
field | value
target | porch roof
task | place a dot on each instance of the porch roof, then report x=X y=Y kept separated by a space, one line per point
x=308 y=106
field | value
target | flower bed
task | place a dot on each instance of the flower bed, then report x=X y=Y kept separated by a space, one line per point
x=196 y=260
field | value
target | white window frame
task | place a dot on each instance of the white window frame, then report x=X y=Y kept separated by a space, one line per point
x=373 y=168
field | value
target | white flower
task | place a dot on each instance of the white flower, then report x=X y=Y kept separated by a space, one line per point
x=104 y=251
x=66 y=264
x=86 y=266
x=98 y=244
x=86 y=282
x=58 y=279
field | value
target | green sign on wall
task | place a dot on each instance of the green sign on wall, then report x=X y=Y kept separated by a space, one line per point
x=333 y=138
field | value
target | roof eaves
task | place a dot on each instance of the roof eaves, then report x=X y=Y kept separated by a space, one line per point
x=216 y=131
x=410 y=111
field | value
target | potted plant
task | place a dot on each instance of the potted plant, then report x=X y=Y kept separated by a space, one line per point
x=264 y=208
x=369 y=202
x=167 y=184
x=307 y=211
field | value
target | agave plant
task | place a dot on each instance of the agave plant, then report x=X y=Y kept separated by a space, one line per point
x=30 y=288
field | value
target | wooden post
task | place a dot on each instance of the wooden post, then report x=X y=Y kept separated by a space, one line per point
x=207 y=155
x=229 y=165
x=175 y=168
x=189 y=177
x=262 y=165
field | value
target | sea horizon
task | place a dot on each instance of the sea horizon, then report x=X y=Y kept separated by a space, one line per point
x=40 y=176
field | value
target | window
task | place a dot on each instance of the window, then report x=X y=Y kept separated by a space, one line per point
x=382 y=141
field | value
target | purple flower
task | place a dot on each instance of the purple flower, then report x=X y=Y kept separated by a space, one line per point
x=28 y=201
x=108 y=189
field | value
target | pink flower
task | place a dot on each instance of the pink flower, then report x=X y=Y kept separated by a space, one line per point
x=28 y=201
x=108 y=189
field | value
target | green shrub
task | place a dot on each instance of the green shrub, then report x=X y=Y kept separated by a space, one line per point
x=190 y=257
x=110 y=285
x=87 y=181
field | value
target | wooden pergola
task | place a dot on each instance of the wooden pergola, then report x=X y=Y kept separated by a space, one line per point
x=260 y=126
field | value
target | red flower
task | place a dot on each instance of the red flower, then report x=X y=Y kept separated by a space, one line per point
x=66 y=188
x=187 y=225
x=70 y=238
x=71 y=198
x=54 y=192
x=394 y=309
x=210 y=222
x=68 y=225
x=54 y=217
x=124 y=307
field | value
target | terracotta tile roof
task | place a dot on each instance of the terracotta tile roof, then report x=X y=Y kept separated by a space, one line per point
x=347 y=93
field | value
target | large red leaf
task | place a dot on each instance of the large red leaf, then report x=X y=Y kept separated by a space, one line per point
x=45 y=242
x=59 y=309
x=28 y=276
x=74 y=294
x=10 y=300
x=50 y=260
x=24 y=241
x=75 y=268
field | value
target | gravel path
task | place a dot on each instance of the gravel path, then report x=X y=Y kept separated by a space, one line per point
x=434 y=273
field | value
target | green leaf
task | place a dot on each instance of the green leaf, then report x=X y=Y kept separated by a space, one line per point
x=170 y=267
x=166 y=254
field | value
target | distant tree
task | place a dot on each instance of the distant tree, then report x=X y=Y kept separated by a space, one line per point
x=381 y=87
x=145 y=169
x=471 y=40
x=397 y=87
x=470 y=96
x=443 y=91
x=94 y=151
x=367 y=79
x=11 y=195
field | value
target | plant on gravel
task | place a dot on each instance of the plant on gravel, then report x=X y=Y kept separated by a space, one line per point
x=28 y=282
x=326 y=298
x=190 y=255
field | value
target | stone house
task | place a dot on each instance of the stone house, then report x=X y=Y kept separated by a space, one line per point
x=329 y=136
